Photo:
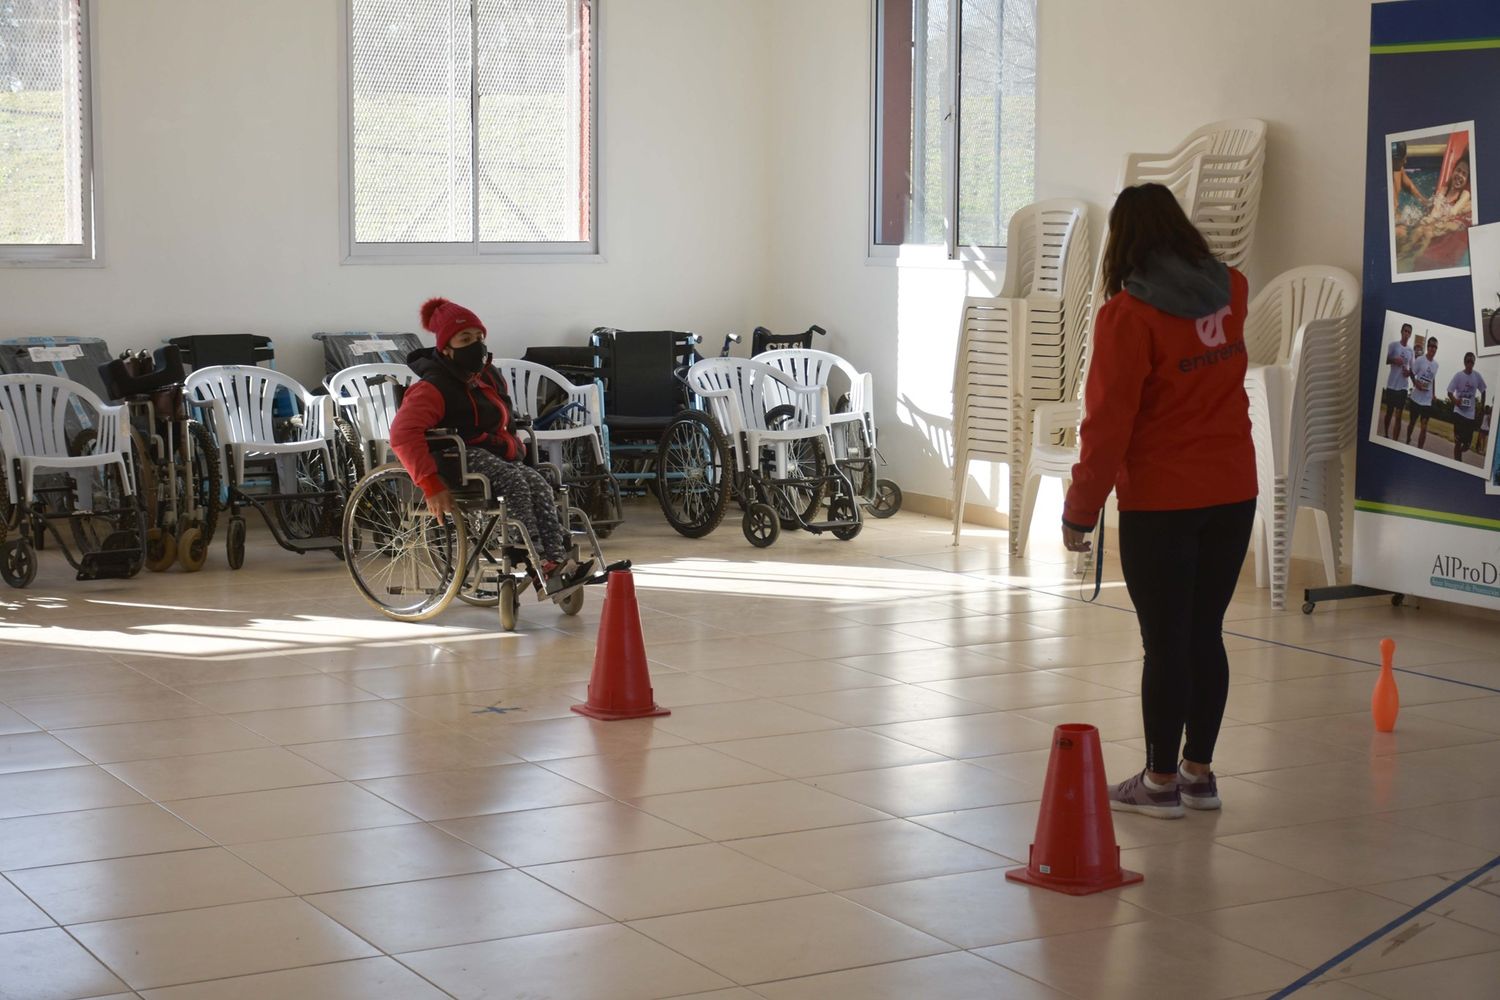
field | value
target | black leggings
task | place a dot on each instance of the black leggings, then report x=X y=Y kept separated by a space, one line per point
x=1181 y=568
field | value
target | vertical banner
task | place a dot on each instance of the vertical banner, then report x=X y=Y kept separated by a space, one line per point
x=1427 y=493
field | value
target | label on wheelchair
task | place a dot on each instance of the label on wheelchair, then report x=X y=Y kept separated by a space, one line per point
x=67 y=352
x=360 y=348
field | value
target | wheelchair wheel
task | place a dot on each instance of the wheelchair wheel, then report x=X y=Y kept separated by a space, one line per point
x=192 y=550
x=317 y=506
x=761 y=525
x=18 y=562
x=234 y=542
x=403 y=561
x=572 y=602
x=205 y=481
x=843 y=508
x=510 y=603
x=887 y=498
x=694 y=474
x=161 y=550
x=796 y=504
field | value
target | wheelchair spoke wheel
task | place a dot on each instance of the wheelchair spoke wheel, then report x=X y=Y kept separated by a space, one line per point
x=402 y=560
x=315 y=505
x=204 y=480
x=694 y=474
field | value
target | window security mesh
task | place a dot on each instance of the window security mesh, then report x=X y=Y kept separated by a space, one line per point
x=43 y=123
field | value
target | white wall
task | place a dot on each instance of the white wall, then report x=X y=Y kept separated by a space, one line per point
x=219 y=187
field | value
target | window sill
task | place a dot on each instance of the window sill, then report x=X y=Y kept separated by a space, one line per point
x=64 y=262
x=356 y=260
x=987 y=261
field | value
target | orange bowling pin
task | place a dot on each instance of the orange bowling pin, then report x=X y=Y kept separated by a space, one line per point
x=1385 y=703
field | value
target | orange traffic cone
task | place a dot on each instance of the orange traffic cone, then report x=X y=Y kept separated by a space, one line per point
x=620 y=687
x=1075 y=851
x=1385 y=703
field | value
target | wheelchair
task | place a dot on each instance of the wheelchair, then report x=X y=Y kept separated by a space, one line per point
x=782 y=457
x=90 y=487
x=851 y=422
x=660 y=436
x=294 y=468
x=410 y=565
x=176 y=470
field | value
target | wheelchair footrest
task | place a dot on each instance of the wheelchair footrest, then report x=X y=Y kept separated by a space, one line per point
x=603 y=575
x=109 y=564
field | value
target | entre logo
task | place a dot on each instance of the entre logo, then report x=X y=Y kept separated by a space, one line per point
x=1453 y=573
x=1211 y=328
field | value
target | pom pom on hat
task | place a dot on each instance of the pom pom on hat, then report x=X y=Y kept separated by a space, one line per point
x=443 y=319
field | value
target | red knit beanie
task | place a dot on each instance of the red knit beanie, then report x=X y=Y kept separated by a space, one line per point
x=443 y=319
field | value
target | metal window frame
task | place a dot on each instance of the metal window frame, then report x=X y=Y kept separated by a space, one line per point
x=475 y=250
x=923 y=254
x=86 y=253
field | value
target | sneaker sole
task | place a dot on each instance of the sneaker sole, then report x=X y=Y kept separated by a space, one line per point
x=1155 y=812
x=1203 y=802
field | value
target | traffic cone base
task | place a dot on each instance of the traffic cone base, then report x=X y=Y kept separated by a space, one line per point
x=620 y=687
x=1075 y=850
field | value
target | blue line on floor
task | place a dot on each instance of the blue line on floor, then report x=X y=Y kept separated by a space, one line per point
x=1374 y=936
x=1368 y=663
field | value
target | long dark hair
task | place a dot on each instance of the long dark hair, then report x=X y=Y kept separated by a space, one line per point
x=1146 y=222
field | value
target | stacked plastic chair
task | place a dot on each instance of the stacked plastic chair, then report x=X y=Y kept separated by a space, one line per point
x=1302 y=334
x=1025 y=347
x=1216 y=174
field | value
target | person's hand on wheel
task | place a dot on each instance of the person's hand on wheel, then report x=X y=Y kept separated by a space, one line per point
x=1075 y=540
x=441 y=504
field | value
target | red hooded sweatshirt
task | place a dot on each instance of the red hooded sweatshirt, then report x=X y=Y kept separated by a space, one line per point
x=1167 y=423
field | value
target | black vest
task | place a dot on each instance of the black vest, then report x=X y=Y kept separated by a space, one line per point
x=467 y=409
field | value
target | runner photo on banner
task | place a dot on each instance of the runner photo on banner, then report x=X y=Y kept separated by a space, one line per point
x=1433 y=394
x=1434 y=201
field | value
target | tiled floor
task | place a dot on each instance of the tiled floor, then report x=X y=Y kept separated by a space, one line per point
x=248 y=785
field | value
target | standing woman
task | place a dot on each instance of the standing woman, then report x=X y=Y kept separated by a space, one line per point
x=1167 y=427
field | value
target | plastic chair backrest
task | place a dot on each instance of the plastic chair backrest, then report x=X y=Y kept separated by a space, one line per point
x=1291 y=300
x=1040 y=239
x=532 y=385
x=372 y=387
x=35 y=408
x=248 y=395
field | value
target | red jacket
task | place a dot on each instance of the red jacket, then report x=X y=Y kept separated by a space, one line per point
x=1167 y=422
x=482 y=417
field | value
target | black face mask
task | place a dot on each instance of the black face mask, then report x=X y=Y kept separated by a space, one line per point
x=471 y=358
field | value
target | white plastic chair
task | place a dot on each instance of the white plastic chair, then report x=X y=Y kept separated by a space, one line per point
x=1302 y=414
x=1216 y=173
x=583 y=421
x=33 y=431
x=241 y=401
x=740 y=392
x=367 y=394
x=853 y=429
x=1024 y=348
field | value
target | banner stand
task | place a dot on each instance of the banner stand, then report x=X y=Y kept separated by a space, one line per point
x=1313 y=596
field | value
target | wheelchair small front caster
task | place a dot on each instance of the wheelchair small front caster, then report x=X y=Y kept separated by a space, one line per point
x=192 y=550
x=18 y=562
x=510 y=602
x=161 y=550
x=572 y=602
x=234 y=542
x=887 y=498
x=761 y=525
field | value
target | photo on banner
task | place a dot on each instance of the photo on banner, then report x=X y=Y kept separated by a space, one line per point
x=1484 y=252
x=1434 y=395
x=1433 y=201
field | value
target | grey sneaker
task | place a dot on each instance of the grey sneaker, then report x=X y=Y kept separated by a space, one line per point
x=1132 y=795
x=1198 y=793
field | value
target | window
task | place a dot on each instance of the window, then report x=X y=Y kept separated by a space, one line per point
x=471 y=127
x=955 y=122
x=46 y=132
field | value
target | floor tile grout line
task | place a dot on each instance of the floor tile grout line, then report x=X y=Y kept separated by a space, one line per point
x=1376 y=935
x=1368 y=663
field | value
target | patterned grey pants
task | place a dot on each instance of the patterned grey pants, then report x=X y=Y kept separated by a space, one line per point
x=528 y=499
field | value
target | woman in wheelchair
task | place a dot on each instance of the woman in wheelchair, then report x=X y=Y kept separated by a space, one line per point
x=461 y=391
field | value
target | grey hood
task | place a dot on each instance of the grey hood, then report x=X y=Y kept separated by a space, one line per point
x=1181 y=287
